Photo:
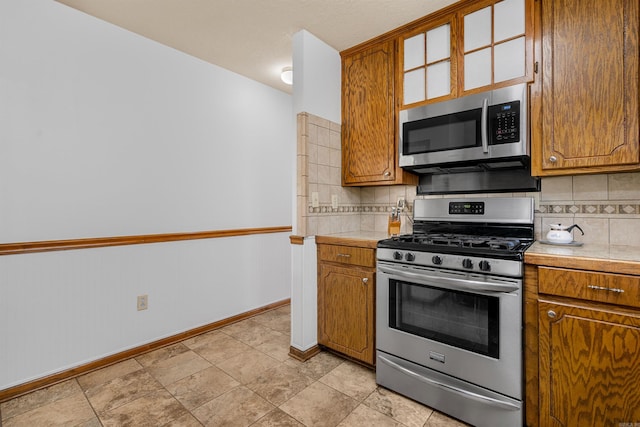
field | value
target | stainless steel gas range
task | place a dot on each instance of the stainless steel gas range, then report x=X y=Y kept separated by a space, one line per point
x=449 y=308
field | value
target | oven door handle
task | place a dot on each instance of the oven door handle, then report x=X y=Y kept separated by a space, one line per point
x=458 y=284
x=449 y=387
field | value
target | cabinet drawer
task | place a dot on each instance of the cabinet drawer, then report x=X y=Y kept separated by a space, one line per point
x=617 y=289
x=347 y=255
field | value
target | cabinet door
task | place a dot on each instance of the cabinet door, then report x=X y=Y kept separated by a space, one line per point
x=369 y=150
x=588 y=104
x=428 y=63
x=346 y=311
x=368 y=116
x=589 y=366
x=496 y=44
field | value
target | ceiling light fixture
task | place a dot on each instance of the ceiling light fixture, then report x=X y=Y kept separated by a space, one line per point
x=287 y=75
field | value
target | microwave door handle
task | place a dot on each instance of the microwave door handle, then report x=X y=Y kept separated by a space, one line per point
x=483 y=125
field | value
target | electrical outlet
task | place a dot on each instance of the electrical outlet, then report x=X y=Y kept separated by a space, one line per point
x=143 y=302
x=334 y=201
x=402 y=204
x=315 y=200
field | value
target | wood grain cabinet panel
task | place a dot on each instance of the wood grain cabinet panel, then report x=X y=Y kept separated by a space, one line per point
x=347 y=255
x=582 y=347
x=346 y=301
x=589 y=366
x=585 y=103
x=369 y=150
x=618 y=289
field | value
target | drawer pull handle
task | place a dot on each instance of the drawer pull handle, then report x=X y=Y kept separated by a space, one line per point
x=602 y=288
x=551 y=314
x=365 y=280
x=345 y=255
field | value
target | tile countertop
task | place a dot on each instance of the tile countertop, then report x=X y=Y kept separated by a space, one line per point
x=602 y=258
x=361 y=239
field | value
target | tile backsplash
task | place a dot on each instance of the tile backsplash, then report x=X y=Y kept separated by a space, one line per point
x=606 y=206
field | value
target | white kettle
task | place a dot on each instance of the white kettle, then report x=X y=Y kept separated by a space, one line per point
x=562 y=233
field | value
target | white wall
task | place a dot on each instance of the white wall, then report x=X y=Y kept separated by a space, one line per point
x=316 y=90
x=317 y=70
x=106 y=133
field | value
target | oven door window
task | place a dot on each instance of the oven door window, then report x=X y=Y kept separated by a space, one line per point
x=460 y=319
x=450 y=132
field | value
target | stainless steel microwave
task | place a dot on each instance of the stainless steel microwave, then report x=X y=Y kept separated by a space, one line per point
x=487 y=130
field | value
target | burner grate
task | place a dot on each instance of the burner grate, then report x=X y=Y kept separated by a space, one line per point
x=464 y=241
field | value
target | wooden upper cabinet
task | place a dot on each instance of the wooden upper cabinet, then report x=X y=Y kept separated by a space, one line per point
x=495 y=44
x=429 y=62
x=369 y=150
x=585 y=105
x=476 y=46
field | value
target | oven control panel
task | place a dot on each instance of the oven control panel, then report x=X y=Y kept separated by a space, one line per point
x=466 y=208
x=466 y=263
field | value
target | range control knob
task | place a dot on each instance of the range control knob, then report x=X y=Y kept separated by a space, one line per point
x=397 y=255
x=436 y=260
x=409 y=256
x=467 y=263
x=484 y=265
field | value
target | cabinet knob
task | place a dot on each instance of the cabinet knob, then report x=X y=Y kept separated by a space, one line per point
x=387 y=174
x=553 y=159
x=551 y=314
x=365 y=280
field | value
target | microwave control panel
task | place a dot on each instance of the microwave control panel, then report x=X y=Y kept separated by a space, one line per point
x=504 y=123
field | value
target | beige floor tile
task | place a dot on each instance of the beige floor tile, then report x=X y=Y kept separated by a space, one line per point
x=279 y=384
x=246 y=366
x=351 y=379
x=438 y=419
x=162 y=354
x=154 y=409
x=122 y=390
x=251 y=332
x=178 y=367
x=365 y=416
x=73 y=410
x=400 y=408
x=201 y=387
x=318 y=366
x=277 y=418
x=224 y=382
x=38 y=398
x=104 y=375
x=277 y=347
x=203 y=339
x=220 y=347
x=187 y=420
x=238 y=407
x=319 y=405
x=280 y=322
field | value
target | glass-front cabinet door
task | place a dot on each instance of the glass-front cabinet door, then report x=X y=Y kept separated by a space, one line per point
x=428 y=66
x=494 y=44
x=481 y=45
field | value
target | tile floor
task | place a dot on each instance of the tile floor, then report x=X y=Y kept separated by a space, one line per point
x=239 y=375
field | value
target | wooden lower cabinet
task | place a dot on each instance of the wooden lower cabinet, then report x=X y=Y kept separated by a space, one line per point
x=346 y=304
x=589 y=365
x=583 y=364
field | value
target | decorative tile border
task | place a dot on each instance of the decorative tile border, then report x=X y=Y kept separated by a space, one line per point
x=328 y=210
x=591 y=208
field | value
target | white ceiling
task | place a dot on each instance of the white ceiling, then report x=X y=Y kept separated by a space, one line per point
x=253 y=37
